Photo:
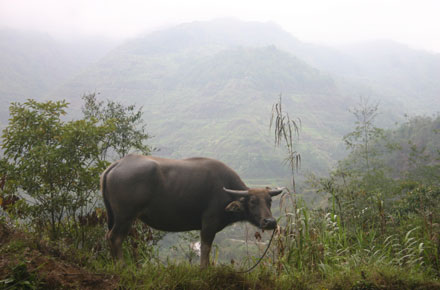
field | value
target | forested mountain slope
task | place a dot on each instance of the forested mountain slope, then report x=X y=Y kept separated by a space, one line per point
x=207 y=88
x=219 y=104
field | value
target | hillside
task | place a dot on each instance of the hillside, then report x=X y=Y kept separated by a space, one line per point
x=207 y=88
x=418 y=141
x=31 y=263
x=399 y=73
x=32 y=64
x=212 y=95
x=219 y=104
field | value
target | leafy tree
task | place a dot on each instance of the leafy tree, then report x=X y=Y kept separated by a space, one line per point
x=128 y=128
x=359 y=187
x=419 y=156
x=52 y=164
x=360 y=141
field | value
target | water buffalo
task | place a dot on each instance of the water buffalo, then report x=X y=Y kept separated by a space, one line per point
x=180 y=195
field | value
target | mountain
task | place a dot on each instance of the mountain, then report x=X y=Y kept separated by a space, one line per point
x=32 y=64
x=398 y=72
x=207 y=89
x=212 y=96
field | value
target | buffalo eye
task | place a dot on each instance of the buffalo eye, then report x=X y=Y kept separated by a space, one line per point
x=253 y=201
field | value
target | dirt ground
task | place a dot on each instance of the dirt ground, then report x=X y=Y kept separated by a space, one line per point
x=23 y=259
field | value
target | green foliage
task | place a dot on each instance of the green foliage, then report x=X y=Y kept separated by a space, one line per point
x=371 y=219
x=418 y=157
x=214 y=104
x=51 y=272
x=20 y=279
x=186 y=276
x=128 y=129
x=360 y=140
x=52 y=166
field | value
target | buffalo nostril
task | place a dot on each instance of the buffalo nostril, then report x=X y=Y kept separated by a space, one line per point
x=269 y=223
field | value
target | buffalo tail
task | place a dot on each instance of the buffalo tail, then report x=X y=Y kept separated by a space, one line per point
x=110 y=216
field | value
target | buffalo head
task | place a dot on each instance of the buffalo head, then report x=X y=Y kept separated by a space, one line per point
x=254 y=204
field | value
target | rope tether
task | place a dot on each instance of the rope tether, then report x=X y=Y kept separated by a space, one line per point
x=261 y=258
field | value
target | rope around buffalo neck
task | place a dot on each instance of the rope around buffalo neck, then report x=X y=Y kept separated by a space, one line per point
x=261 y=258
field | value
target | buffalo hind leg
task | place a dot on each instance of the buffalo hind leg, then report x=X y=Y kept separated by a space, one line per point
x=206 y=237
x=116 y=237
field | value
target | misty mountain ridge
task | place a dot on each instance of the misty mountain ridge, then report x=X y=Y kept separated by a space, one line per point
x=32 y=64
x=220 y=34
x=41 y=62
x=381 y=68
x=207 y=88
x=399 y=71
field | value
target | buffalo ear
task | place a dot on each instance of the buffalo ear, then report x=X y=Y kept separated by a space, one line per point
x=235 y=206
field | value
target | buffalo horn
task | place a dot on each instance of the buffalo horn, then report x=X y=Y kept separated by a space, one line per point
x=237 y=193
x=275 y=192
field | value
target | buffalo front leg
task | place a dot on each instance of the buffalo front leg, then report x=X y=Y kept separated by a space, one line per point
x=206 y=237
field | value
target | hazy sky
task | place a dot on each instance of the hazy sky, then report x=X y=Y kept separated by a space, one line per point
x=414 y=22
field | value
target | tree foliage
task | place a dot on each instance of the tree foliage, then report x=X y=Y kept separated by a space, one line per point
x=53 y=165
x=361 y=140
x=128 y=128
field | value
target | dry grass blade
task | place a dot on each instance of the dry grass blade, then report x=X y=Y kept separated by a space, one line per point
x=286 y=130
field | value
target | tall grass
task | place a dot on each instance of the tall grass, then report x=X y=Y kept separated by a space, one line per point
x=316 y=241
